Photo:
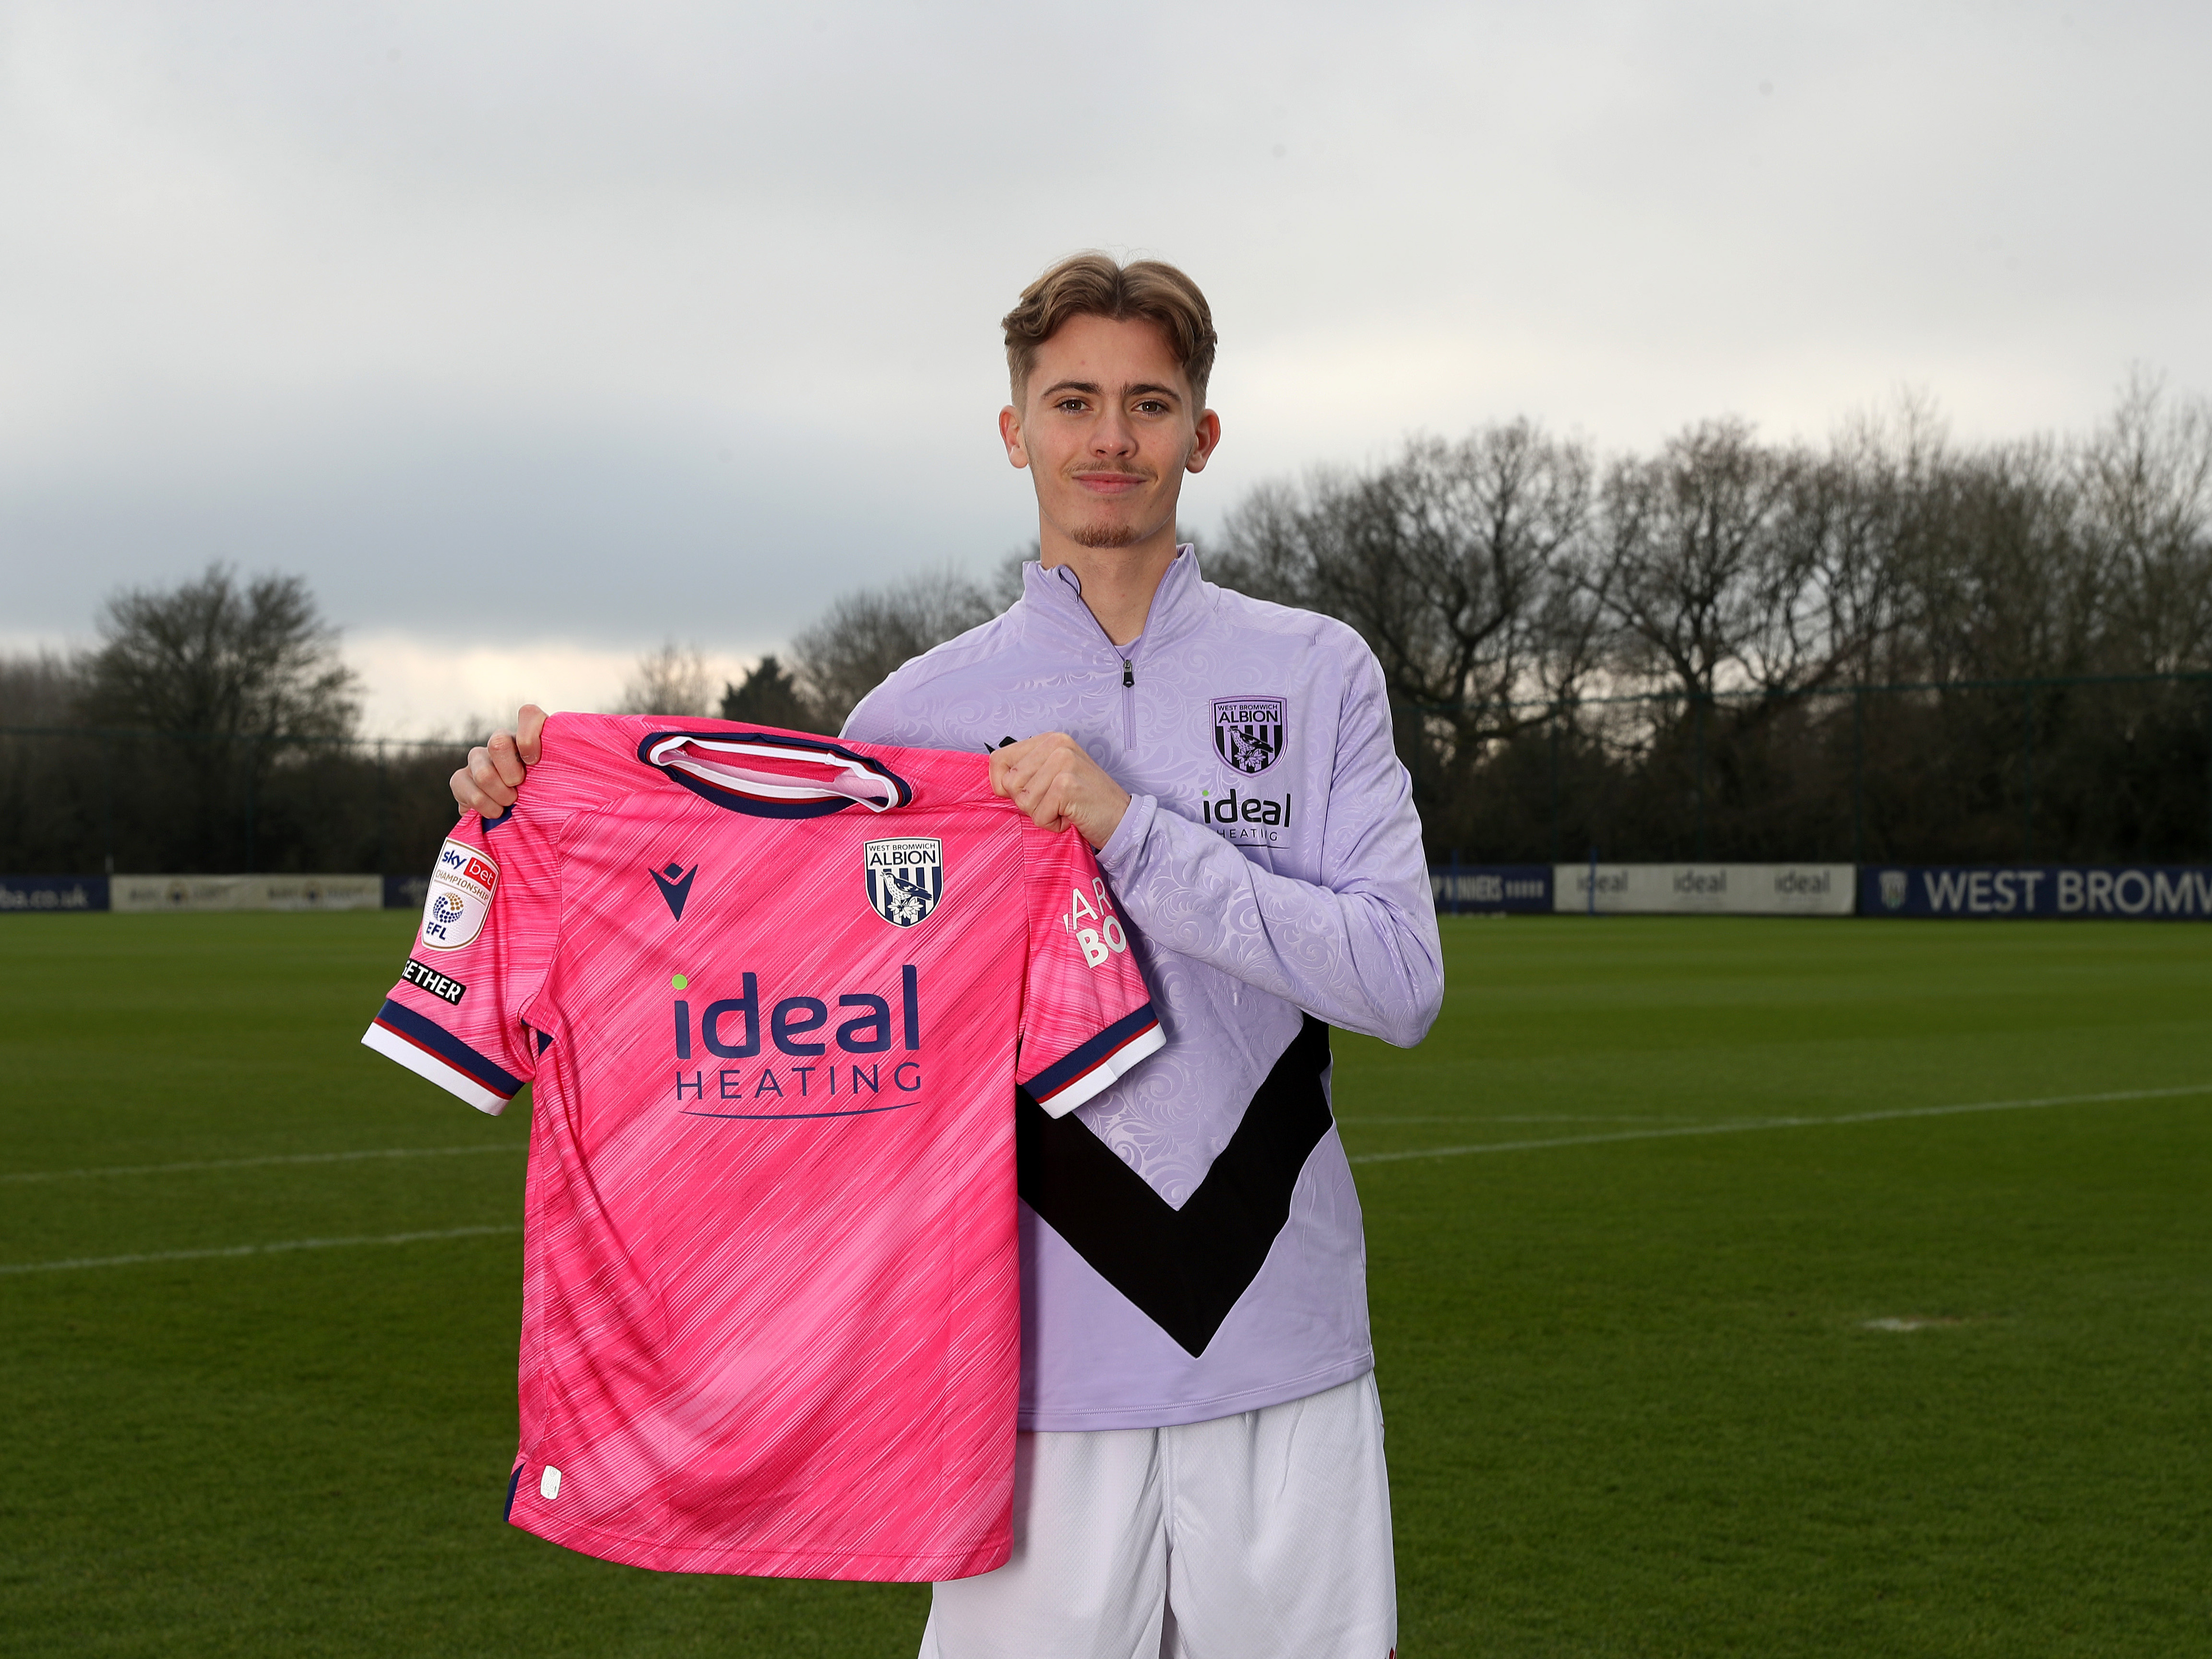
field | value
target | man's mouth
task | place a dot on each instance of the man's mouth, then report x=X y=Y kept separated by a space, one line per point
x=1111 y=483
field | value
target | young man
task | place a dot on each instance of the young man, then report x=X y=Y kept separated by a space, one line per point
x=1201 y=1468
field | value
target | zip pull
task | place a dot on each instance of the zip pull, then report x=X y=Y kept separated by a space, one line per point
x=1128 y=674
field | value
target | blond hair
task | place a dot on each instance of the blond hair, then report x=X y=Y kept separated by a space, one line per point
x=1098 y=285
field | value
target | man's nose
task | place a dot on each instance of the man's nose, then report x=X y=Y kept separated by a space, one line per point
x=1114 y=436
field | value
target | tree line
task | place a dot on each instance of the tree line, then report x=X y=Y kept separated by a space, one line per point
x=215 y=728
x=1891 y=645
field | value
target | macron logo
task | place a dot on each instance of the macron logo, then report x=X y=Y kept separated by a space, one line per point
x=675 y=884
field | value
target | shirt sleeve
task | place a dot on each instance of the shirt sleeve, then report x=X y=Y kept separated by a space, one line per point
x=1358 y=949
x=1087 y=1017
x=488 y=931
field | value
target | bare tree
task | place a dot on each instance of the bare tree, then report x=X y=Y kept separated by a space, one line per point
x=672 y=680
x=2146 y=482
x=44 y=687
x=213 y=657
x=244 y=678
x=1451 y=561
x=1707 y=560
x=2000 y=579
x=865 y=635
x=769 y=697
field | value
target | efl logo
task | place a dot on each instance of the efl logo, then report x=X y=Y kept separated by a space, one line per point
x=1248 y=732
x=461 y=886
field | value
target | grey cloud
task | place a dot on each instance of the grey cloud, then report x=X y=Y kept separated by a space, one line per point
x=395 y=295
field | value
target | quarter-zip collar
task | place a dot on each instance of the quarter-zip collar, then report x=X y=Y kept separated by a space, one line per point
x=1053 y=599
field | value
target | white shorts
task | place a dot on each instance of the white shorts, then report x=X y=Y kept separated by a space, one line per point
x=1265 y=1534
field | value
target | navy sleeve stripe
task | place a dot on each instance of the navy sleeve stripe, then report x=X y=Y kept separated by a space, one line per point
x=425 y=1033
x=1093 y=1054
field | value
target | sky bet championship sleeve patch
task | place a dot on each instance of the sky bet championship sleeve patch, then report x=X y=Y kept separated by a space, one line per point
x=461 y=887
x=425 y=978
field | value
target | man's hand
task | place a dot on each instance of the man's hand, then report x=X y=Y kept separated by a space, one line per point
x=488 y=783
x=1050 y=778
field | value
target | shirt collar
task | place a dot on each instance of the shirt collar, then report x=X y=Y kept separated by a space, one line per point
x=1056 y=597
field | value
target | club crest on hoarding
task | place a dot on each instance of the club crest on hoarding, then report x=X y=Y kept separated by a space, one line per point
x=1893 y=884
x=906 y=878
x=1248 y=732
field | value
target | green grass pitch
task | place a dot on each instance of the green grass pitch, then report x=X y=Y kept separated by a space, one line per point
x=1637 y=1401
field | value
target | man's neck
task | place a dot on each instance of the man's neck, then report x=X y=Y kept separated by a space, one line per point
x=1118 y=582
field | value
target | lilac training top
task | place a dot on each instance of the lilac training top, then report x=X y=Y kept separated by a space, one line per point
x=1191 y=1241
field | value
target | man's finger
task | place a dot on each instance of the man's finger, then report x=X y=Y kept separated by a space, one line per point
x=499 y=757
x=495 y=794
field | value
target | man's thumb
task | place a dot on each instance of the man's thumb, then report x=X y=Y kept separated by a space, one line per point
x=529 y=722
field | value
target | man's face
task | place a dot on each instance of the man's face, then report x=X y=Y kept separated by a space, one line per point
x=1108 y=427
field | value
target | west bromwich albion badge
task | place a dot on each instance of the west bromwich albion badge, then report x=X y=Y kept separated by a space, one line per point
x=906 y=878
x=1248 y=732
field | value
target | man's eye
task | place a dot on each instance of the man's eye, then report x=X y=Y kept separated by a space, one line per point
x=1071 y=404
x=1152 y=406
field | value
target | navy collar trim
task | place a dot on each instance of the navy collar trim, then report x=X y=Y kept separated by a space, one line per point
x=711 y=766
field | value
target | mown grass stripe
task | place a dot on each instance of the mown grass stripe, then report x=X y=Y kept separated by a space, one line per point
x=257 y=1162
x=1741 y=1125
x=250 y=1250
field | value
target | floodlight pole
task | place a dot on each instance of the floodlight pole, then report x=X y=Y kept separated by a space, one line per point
x=107 y=799
x=249 y=806
x=1858 y=775
x=2027 y=774
x=1697 y=702
x=1555 y=783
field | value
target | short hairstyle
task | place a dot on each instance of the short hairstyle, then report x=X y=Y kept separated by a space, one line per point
x=1098 y=285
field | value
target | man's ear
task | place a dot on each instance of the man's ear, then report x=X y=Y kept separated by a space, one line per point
x=1203 y=441
x=1010 y=434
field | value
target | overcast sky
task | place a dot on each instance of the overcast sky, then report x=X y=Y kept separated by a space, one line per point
x=533 y=335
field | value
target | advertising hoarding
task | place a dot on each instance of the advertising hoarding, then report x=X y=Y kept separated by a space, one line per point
x=145 y=893
x=53 y=894
x=1733 y=889
x=2146 y=892
x=1490 y=889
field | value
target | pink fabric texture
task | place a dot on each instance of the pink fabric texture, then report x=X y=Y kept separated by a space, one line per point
x=775 y=994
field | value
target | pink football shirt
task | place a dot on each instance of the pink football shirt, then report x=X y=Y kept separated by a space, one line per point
x=774 y=995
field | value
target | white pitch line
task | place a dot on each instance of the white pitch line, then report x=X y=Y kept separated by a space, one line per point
x=1743 y=1124
x=256 y=1163
x=1534 y=1117
x=248 y=1249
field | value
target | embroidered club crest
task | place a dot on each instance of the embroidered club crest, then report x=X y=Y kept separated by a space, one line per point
x=1894 y=889
x=906 y=878
x=1248 y=732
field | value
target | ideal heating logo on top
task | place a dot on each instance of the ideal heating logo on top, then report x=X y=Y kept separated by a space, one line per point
x=807 y=1058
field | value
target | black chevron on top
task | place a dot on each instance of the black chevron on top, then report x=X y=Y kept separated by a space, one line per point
x=1186 y=1269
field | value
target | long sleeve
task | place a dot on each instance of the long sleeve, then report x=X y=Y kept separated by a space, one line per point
x=1358 y=949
